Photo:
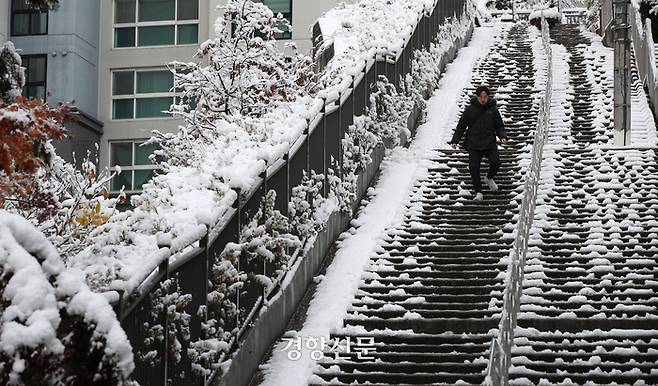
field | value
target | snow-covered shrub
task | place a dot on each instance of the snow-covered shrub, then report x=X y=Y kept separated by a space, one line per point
x=267 y=237
x=12 y=78
x=65 y=203
x=552 y=16
x=389 y=110
x=304 y=201
x=168 y=302
x=53 y=330
x=219 y=327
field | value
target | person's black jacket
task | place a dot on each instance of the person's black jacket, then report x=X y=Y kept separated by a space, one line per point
x=483 y=122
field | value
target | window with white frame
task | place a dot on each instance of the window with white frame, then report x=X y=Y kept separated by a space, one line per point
x=136 y=166
x=144 y=93
x=143 y=23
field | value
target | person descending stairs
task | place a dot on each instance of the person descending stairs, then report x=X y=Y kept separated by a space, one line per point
x=430 y=300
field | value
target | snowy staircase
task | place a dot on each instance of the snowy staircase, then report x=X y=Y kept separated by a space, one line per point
x=589 y=309
x=432 y=295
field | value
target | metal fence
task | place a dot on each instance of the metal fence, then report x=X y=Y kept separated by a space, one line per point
x=320 y=142
x=645 y=55
x=501 y=348
x=569 y=15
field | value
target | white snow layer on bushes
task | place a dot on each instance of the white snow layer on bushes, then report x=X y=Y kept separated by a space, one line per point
x=32 y=317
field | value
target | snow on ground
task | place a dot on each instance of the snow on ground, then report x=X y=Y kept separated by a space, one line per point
x=399 y=170
x=643 y=126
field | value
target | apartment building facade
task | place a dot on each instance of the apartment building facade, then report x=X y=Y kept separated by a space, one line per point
x=125 y=45
x=59 y=50
x=137 y=40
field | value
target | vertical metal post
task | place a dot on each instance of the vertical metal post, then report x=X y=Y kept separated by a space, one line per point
x=514 y=18
x=622 y=80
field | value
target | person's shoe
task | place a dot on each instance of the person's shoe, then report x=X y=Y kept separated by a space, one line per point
x=491 y=184
x=479 y=196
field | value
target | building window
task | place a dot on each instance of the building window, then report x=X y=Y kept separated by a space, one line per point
x=284 y=7
x=143 y=23
x=136 y=166
x=35 y=76
x=26 y=20
x=141 y=93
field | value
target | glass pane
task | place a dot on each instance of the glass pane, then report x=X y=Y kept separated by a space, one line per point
x=142 y=177
x=18 y=5
x=20 y=24
x=124 y=11
x=154 y=10
x=39 y=23
x=142 y=153
x=122 y=179
x=122 y=108
x=124 y=37
x=153 y=107
x=283 y=6
x=121 y=153
x=34 y=92
x=36 y=69
x=156 y=36
x=188 y=34
x=188 y=9
x=154 y=81
x=123 y=82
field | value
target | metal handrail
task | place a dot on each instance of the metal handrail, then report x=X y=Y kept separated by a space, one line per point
x=501 y=348
x=643 y=45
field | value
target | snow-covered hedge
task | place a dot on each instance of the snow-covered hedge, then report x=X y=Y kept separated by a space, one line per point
x=53 y=329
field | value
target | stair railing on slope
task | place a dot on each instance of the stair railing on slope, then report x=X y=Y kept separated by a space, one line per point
x=501 y=348
x=645 y=51
x=193 y=264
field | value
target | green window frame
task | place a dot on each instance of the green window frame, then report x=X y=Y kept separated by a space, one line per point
x=153 y=23
x=136 y=167
x=284 y=7
x=36 y=71
x=143 y=93
x=26 y=20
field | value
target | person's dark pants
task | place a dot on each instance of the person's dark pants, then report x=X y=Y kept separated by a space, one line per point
x=474 y=160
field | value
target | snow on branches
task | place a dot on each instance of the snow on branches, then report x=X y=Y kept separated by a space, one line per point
x=246 y=73
x=65 y=203
x=53 y=330
x=168 y=317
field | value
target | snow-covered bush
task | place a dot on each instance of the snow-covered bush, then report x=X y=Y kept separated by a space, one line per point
x=390 y=110
x=267 y=237
x=551 y=14
x=168 y=302
x=65 y=203
x=305 y=199
x=12 y=77
x=53 y=329
x=219 y=327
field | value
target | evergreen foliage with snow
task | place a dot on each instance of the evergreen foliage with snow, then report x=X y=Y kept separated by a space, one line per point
x=167 y=300
x=12 y=77
x=53 y=329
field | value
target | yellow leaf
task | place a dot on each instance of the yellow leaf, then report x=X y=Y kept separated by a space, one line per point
x=98 y=207
x=82 y=220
